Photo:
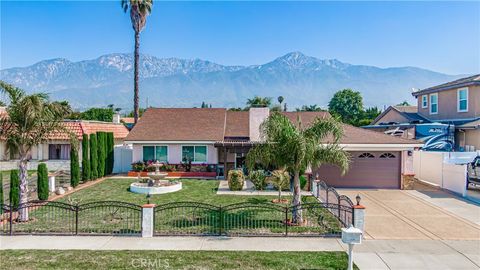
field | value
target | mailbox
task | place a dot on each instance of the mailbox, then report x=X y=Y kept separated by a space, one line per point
x=351 y=235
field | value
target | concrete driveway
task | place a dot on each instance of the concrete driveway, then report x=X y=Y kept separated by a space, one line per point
x=404 y=214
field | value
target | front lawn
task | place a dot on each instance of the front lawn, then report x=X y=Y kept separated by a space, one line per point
x=88 y=259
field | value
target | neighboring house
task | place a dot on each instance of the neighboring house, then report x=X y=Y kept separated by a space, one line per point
x=56 y=151
x=446 y=117
x=222 y=138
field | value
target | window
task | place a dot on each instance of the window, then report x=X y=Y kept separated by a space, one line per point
x=387 y=155
x=366 y=155
x=433 y=103
x=59 y=151
x=424 y=101
x=462 y=100
x=194 y=153
x=159 y=153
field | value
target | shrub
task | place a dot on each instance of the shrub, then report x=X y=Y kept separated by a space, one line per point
x=74 y=165
x=235 y=180
x=85 y=159
x=101 y=153
x=14 y=188
x=303 y=181
x=258 y=179
x=1 y=193
x=42 y=181
x=138 y=166
x=93 y=157
x=280 y=180
x=111 y=148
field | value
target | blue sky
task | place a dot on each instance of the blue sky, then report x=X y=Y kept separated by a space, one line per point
x=442 y=36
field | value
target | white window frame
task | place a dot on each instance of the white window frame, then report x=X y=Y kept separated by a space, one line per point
x=430 y=105
x=155 y=151
x=458 y=99
x=424 y=101
x=194 y=161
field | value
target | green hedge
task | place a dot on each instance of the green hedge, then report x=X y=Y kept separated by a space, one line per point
x=93 y=157
x=101 y=153
x=258 y=179
x=85 y=159
x=235 y=180
x=110 y=153
x=14 y=188
x=74 y=165
x=42 y=182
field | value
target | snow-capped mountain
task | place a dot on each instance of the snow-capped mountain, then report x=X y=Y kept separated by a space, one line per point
x=172 y=82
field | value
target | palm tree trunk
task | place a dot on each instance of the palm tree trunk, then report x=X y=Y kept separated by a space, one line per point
x=135 y=77
x=297 y=199
x=23 y=212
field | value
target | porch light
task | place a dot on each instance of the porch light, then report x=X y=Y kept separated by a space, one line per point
x=358 y=199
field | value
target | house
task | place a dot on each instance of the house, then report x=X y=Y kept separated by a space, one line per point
x=222 y=138
x=56 y=151
x=447 y=116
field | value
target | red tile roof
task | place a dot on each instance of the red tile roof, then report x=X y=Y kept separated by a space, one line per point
x=80 y=127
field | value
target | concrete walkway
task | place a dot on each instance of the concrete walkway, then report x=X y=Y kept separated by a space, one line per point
x=372 y=254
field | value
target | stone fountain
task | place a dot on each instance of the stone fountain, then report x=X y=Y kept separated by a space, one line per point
x=156 y=183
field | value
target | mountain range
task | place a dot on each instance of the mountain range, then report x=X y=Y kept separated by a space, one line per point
x=174 y=82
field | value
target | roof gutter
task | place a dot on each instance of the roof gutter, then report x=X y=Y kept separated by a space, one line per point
x=432 y=90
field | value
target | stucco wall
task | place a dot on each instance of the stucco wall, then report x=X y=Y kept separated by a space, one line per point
x=447 y=105
x=392 y=116
x=256 y=118
x=175 y=153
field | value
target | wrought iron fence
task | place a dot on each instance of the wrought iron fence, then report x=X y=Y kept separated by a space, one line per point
x=330 y=196
x=248 y=219
x=50 y=217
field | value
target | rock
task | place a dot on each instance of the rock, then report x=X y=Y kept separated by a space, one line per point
x=60 y=191
x=69 y=188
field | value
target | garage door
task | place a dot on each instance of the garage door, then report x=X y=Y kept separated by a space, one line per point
x=367 y=170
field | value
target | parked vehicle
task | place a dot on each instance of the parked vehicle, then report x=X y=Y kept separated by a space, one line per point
x=473 y=173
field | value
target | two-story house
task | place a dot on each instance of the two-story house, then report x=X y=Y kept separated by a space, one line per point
x=451 y=109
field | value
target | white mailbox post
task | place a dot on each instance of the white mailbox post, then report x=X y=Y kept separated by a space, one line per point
x=351 y=236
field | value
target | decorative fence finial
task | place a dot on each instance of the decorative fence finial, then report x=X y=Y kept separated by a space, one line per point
x=358 y=199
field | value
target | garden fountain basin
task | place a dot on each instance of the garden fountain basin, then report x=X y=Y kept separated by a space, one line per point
x=143 y=188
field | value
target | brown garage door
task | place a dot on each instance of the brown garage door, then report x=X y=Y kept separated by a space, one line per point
x=367 y=170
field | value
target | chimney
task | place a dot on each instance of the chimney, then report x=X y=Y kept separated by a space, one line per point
x=256 y=116
x=116 y=118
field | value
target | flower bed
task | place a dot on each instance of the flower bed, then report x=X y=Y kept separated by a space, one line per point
x=177 y=174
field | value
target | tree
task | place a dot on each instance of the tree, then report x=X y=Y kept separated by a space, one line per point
x=280 y=178
x=259 y=102
x=105 y=149
x=29 y=121
x=140 y=110
x=15 y=196
x=111 y=148
x=101 y=154
x=74 y=164
x=294 y=147
x=310 y=108
x=368 y=116
x=139 y=10
x=93 y=157
x=42 y=182
x=98 y=114
x=86 y=175
x=404 y=103
x=347 y=105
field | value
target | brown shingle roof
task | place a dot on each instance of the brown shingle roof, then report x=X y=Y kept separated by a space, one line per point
x=179 y=124
x=306 y=118
x=237 y=124
x=356 y=135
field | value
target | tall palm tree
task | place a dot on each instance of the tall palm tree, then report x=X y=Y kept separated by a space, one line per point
x=258 y=101
x=294 y=147
x=28 y=122
x=139 y=10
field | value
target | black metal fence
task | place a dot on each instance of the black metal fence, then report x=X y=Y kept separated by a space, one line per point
x=50 y=217
x=329 y=196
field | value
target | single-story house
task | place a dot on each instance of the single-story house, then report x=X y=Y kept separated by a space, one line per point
x=56 y=151
x=216 y=136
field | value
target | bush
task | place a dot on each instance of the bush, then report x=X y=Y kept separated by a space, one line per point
x=42 y=182
x=303 y=181
x=281 y=181
x=14 y=188
x=235 y=180
x=110 y=153
x=1 y=193
x=101 y=153
x=258 y=179
x=138 y=166
x=74 y=165
x=93 y=157
x=85 y=159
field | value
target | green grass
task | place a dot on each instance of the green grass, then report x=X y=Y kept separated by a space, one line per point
x=222 y=260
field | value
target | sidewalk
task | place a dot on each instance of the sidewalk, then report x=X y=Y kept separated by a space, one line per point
x=372 y=254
